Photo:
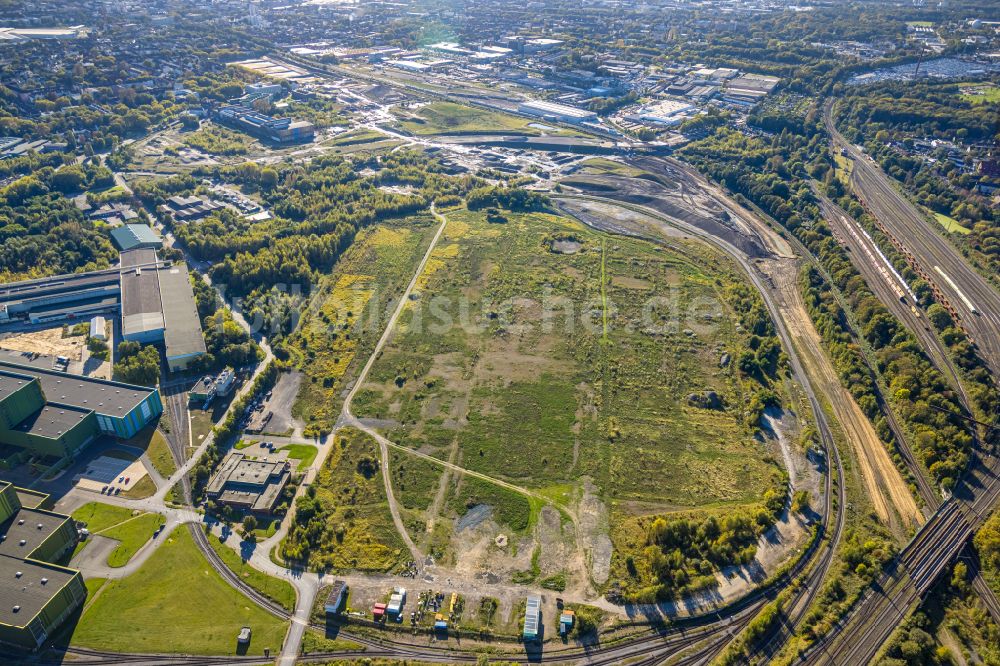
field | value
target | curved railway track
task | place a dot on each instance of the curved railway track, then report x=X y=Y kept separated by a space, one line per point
x=704 y=635
x=809 y=588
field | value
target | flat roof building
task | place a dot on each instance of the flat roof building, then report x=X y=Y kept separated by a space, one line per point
x=36 y=596
x=56 y=413
x=665 y=112
x=142 y=309
x=569 y=114
x=251 y=485
x=182 y=336
x=155 y=300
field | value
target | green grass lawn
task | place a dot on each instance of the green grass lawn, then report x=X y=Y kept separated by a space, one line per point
x=152 y=441
x=132 y=535
x=175 y=603
x=451 y=118
x=142 y=489
x=114 y=522
x=304 y=453
x=273 y=588
x=951 y=224
x=99 y=516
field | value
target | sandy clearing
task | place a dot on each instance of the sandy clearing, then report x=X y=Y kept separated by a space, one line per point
x=49 y=342
x=882 y=480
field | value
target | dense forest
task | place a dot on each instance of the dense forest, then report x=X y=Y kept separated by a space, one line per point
x=42 y=232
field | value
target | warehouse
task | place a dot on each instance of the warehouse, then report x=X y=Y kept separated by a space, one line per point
x=36 y=300
x=154 y=297
x=37 y=595
x=142 y=311
x=665 y=112
x=57 y=414
x=182 y=336
x=556 y=112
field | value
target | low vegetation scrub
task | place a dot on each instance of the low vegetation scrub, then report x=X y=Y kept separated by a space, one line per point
x=343 y=522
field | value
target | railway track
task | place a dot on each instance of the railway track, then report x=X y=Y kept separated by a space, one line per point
x=809 y=588
x=859 y=637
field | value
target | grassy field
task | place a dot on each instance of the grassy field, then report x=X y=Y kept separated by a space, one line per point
x=314 y=641
x=356 y=529
x=541 y=404
x=451 y=118
x=304 y=453
x=600 y=165
x=273 y=588
x=983 y=94
x=348 y=315
x=132 y=530
x=152 y=441
x=570 y=363
x=175 y=603
x=142 y=489
x=217 y=140
x=355 y=137
x=951 y=225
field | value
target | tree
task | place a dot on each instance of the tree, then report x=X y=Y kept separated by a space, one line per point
x=800 y=502
x=137 y=365
x=249 y=525
x=268 y=179
x=68 y=179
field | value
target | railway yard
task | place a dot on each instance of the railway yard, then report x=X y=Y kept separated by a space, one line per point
x=497 y=365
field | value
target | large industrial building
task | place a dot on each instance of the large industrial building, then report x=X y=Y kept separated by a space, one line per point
x=52 y=413
x=278 y=130
x=154 y=298
x=36 y=596
x=665 y=112
x=556 y=112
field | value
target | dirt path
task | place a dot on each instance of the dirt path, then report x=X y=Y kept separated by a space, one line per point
x=885 y=485
x=348 y=419
x=435 y=508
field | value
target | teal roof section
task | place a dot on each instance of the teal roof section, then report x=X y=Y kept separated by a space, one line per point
x=132 y=236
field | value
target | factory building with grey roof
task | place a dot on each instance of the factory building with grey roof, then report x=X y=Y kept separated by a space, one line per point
x=153 y=297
